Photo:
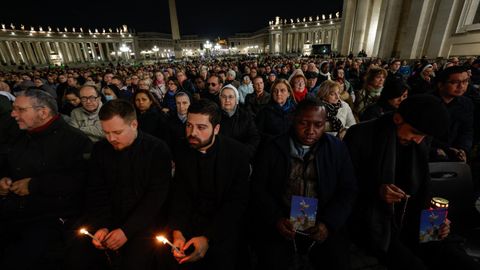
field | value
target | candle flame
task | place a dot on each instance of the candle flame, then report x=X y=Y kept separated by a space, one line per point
x=161 y=239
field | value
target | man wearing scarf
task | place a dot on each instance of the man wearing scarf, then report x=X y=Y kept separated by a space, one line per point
x=41 y=181
x=303 y=162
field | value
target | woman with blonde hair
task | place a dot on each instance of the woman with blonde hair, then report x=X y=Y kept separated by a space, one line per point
x=339 y=114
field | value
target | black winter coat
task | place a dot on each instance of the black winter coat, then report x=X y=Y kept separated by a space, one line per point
x=128 y=188
x=372 y=146
x=55 y=160
x=336 y=182
x=152 y=122
x=241 y=127
x=231 y=192
x=272 y=121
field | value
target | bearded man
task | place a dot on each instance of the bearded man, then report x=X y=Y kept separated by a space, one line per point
x=210 y=192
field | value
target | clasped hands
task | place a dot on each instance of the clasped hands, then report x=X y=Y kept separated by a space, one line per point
x=200 y=243
x=113 y=240
x=19 y=187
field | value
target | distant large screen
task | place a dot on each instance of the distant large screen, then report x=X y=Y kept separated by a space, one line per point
x=321 y=49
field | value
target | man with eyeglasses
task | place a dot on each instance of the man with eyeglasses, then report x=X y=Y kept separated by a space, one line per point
x=85 y=118
x=41 y=181
x=452 y=84
x=214 y=84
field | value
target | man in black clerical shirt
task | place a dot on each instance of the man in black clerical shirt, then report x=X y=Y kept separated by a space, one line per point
x=210 y=192
x=128 y=184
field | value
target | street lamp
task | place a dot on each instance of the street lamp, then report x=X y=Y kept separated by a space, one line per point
x=207 y=46
x=125 y=49
x=155 y=49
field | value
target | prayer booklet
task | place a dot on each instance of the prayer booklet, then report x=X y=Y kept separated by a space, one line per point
x=303 y=212
x=430 y=222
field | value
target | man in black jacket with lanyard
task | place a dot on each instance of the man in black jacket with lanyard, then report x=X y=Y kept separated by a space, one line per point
x=305 y=162
x=210 y=192
x=129 y=178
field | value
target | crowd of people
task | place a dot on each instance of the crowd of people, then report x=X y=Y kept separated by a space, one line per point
x=209 y=155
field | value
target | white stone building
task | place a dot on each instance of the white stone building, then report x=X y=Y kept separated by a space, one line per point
x=411 y=28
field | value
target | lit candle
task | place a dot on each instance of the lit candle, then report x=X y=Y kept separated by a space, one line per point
x=164 y=240
x=438 y=202
x=84 y=231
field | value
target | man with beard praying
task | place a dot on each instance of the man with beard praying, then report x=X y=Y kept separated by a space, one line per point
x=210 y=191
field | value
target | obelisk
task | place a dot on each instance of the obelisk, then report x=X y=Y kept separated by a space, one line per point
x=175 y=29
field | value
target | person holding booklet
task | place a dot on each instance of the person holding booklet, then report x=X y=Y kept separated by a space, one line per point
x=303 y=189
x=390 y=157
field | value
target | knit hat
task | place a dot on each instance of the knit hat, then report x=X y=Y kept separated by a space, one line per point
x=229 y=86
x=427 y=114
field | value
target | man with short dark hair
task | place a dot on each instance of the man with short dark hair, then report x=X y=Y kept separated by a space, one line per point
x=214 y=84
x=255 y=101
x=310 y=163
x=393 y=69
x=452 y=84
x=41 y=181
x=85 y=118
x=210 y=191
x=129 y=177
x=390 y=158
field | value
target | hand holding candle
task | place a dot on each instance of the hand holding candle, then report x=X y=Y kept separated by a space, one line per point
x=164 y=240
x=84 y=231
x=98 y=238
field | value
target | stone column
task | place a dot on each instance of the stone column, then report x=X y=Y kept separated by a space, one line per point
x=270 y=40
x=102 y=55
x=59 y=51
x=23 y=53
x=63 y=53
x=28 y=52
x=416 y=29
x=361 y=26
x=294 y=39
x=346 y=34
x=38 y=51
x=45 y=47
x=175 y=28
x=115 y=49
x=86 y=55
x=78 y=56
x=109 y=57
x=296 y=48
x=77 y=51
x=288 y=42
x=444 y=19
x=67 y=52
x=94 y=52
x=3 y=54
x=31 y=53
x=13 y=54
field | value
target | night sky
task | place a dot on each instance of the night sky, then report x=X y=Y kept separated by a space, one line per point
x=205 y=18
